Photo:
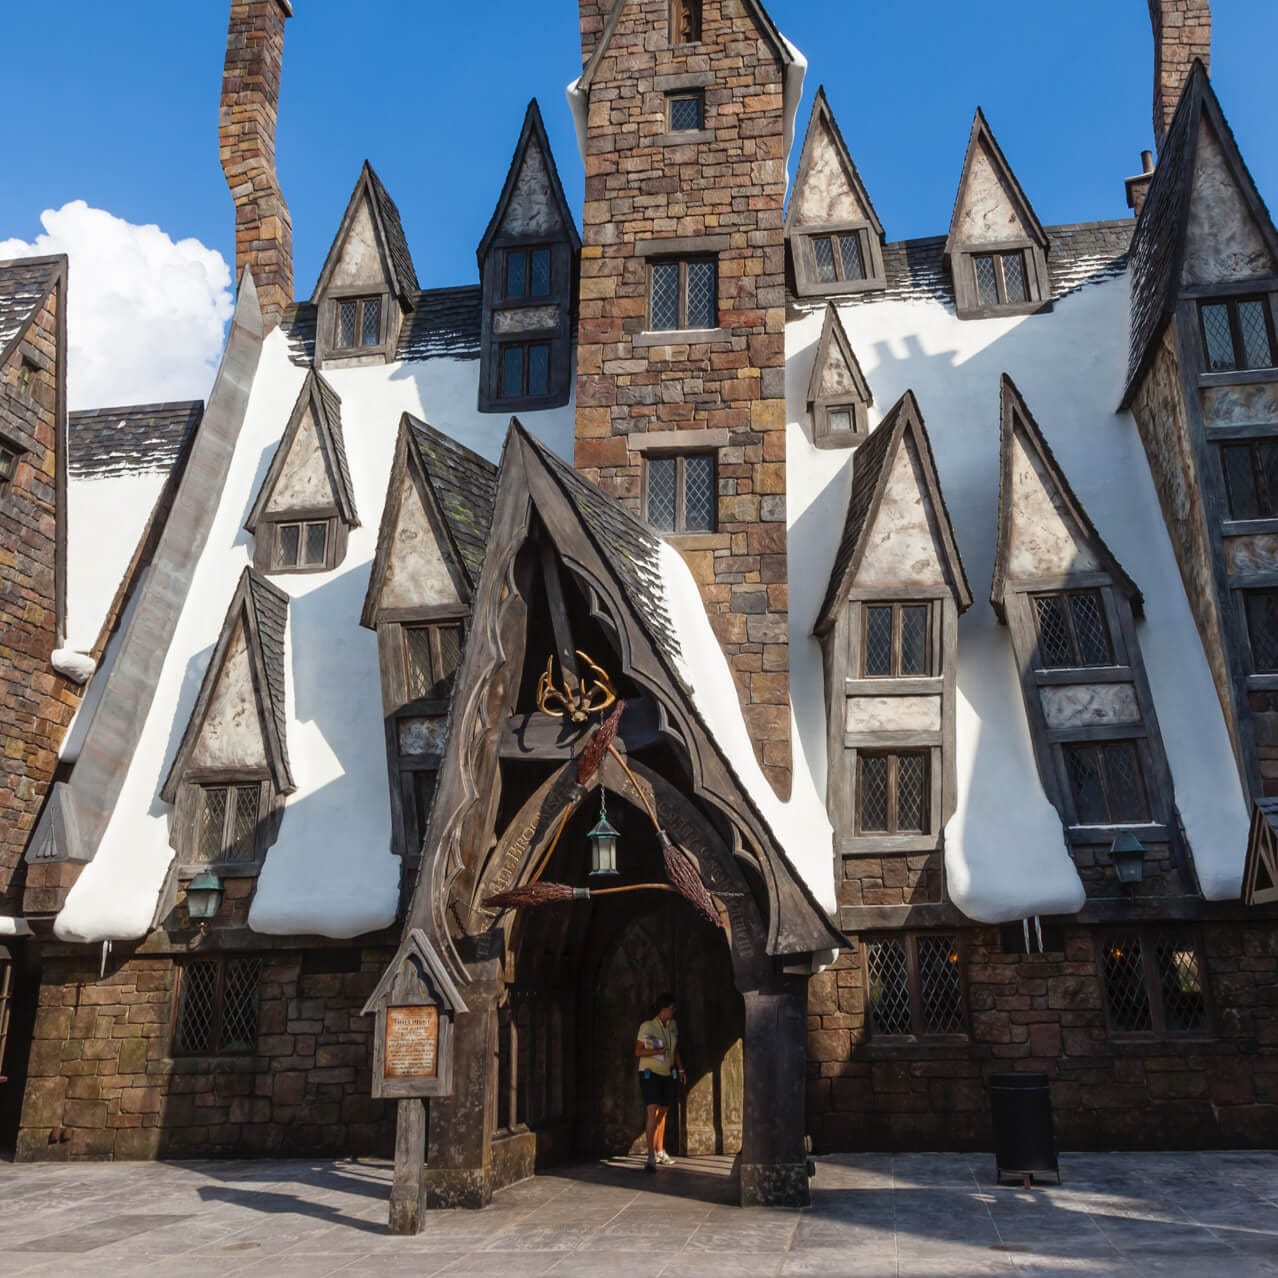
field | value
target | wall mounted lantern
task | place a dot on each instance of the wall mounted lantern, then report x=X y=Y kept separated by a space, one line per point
x=203 y=897
x=1128 y=855
x=603 y=842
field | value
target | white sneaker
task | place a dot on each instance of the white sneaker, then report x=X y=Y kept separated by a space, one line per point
x=665 y=1160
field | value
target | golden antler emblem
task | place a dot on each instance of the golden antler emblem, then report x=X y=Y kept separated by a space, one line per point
x=577 y=700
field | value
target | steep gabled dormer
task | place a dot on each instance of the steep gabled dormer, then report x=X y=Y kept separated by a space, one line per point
x=834 y=235
x=996 y=248
x=889 y=635
x=231 y=773
x=306 y=505
x=838 y=395
x=430 y=549
x=367 y=285
x=1071 y=609
x=528 y=265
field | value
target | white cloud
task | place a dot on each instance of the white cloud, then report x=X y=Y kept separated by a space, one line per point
x=146 y=316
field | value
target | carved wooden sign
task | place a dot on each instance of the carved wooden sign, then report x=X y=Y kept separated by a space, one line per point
x=415 y=1003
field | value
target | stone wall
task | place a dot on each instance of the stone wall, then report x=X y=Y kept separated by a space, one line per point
x=1182 y=33
x=36 y=703
x=1046 y=1013
x=246 y=145
x=728 y=186
x=102 y=1084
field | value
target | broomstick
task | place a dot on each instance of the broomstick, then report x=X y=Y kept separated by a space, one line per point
x=533 y=894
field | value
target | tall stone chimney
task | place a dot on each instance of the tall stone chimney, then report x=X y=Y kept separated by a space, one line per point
x=246 y=143
x=1182 y=33
x=594 y=17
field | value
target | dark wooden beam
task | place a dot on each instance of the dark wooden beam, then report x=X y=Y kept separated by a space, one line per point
x=536 y=736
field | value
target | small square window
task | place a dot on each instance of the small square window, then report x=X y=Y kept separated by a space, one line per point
x=432 y=654
x=896 y=641
x=301 y=545
x=527 y=272
x=218 y=1002
x=524 y=370
x=226 y=820
x=1251 y=478
x=683 y=294
x=1072 y=630
x=681 y=492
x=914 y=987
x=1238 y=334
x=893 y=794
x=358 y=323
x=1261 y=607
x=1154 y=982
x=687 y=111
x=1107 y=783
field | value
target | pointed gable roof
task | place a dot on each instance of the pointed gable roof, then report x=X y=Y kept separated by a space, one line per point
x=24 y=285
x=836 y=369
x=532 y=135
x=871 y=467
x=984 y=153
x=823 y=142
x=262 y=610
x=1159 y=241
x=326 y=409
x=763 y=19
x=460 y=487
x=1260 y=871
x=392 y=244
x=1017 y=423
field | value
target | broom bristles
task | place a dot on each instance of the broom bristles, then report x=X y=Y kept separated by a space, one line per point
x=531 y=894
x=687 y=882
x=597 y=746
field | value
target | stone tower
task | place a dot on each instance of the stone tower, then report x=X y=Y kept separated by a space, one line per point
x=1182 y=33
x=681 y=355
x=246 y=144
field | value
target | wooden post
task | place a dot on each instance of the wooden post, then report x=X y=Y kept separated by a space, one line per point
x=406 y=1200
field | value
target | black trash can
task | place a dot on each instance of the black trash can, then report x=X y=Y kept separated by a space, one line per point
x=1024 y=1142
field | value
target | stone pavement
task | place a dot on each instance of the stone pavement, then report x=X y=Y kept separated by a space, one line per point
x=878 y=1216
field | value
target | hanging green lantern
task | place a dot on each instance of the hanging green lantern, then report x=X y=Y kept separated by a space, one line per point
x=603 y=842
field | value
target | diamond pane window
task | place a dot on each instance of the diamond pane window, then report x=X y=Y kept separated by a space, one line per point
x=370 y=331
x=684 y=294
x=512 y=372
x=524 y=370
x=1251 y=478
x=872 y=793
x=226 y=824
x=823 y=256
x=681 y=492
x=1155 y=983
x=540 y=272
x=538 y=369
x=940 y=984
x=911 y=792
x=914 y=627
x=896 y=641
x=1237 y=334
x=212 y=823
x=878 y=642
x=1014 y=277
x=850 y=257
x=986 y=283
x=347 y=316
x=450 y=649
x=1107 y=783
x=1262 y=627
x=516 y=273
x=1083 y=765
x=218 y=1001
x=686 y=112
x=432 y=654
x=1124 y=782
x=527 y=272
x=242 y=823
x=702 y=294
x=893 y=793
x=316 y=544
x=358 y=323
x=301 y=545
x=290 y=540
x=1072 y=630
x=665 y=295
x=889 y=988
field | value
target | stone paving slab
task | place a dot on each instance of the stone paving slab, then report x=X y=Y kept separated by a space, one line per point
x=1187 y=1215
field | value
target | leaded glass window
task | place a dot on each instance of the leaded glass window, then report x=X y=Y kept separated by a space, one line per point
x=226 y=824
x=1000 y=278
x=1262 y=628
x=1072 y=630
x=525 y=370
x=432 y=654
x=1107 y=783
x=893 y=794
x=357 y=323
x=1238 y=334
x=838 y=257
x=1154 y=982
x=527 y=272
x=1251 y=478
x=218 y=1001
x=687 y=112
x=684 y=294
x=896 y=641
x=914 y=986
x=302 y=545
x=681 y=492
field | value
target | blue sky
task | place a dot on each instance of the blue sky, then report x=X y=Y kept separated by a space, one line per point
x=124 y=112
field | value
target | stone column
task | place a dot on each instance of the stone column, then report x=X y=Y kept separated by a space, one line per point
x=1182 y=35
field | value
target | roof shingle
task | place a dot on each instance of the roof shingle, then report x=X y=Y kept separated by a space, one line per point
x=137 y=439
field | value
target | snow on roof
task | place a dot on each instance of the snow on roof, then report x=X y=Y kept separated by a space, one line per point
x=331 y=871
x=1005 y=853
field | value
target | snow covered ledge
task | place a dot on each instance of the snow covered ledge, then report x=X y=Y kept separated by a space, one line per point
x=76 y=666
x=14 y=927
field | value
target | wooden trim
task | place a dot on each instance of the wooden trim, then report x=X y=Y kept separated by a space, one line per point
x=895 y=686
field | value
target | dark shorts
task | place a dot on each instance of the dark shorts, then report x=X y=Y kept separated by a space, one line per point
x=657 y=1089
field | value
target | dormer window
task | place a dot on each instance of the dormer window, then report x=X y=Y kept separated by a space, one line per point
x=358 y=323
x=525 y=370
x=527 y=272
x=897 y=643
x=226 y=824
x=685 y=21
x=1251 y=478
x=1238 y=334
x=837 y=257
x=1000 y=278
x=687 y=111
x=1072 y=630
x=303 y=545
x=431 y=657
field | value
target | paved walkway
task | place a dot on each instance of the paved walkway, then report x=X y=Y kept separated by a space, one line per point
x=913 y=1216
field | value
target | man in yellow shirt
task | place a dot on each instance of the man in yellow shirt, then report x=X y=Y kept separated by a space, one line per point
x=660 y=1067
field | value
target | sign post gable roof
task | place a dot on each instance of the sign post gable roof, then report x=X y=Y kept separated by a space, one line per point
x=262 y=609
x=417 y=949
x=982 y=138
x=392 y=244
x=532 y=134
x=834 y=344
x=1017 y=420
x=871 y=467
x=1157 y=252
x=326 y=405
x=822 y=117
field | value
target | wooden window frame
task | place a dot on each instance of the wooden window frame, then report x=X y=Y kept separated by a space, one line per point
x=841 y=282
x=1231 y=303
x=919 y=1032
x=931 y=665
x=303 y=527
x=686 y=14
x=1065 y=593
x=433 y=628
x=967 y=297
x=193 y=860
x=360 y=300
x=893 y=830
x=683 y=263
x=686 y=95
x=1133 y=736
x=803 y=260
x=528 y=297
x=1245 y=596
x=10 y=456
x=1149 y=938
x=1252 y=447
x=504 y=394
x=999 y=257
x=266 y=541
x=218 y=1013
x=681 y=490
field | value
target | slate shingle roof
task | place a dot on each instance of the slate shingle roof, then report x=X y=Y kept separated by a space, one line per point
x=137 y=439
x=465 y=486
x=270 y=609
x=396 y=241
x=24 y=283
x=332 y=406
